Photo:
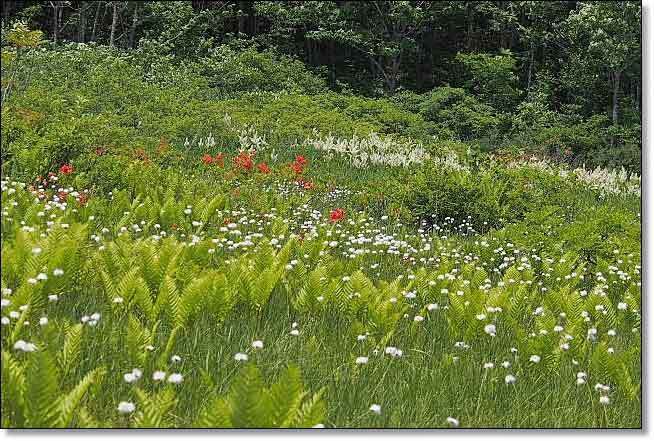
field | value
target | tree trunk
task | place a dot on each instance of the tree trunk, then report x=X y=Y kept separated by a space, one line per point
x=616 y=95
x=81 y=34
x=132 y=29
x=114 y=22
x=531 y=66
x=55 y=27
x=242 y=26
x=95 y=21
x=394 y=77
x=332 y=63
x=469 y=19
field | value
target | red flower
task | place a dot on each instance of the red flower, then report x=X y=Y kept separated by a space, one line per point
x=219 y=160
x=297 y=168
x=307 y=185
x=337 y=215
x=66 y=169
x=83 y=199
x=263 y=168
x=299 y=159
x=207 y=159
x=243 y=161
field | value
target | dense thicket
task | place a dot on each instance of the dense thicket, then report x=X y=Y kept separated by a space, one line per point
x=560 y=77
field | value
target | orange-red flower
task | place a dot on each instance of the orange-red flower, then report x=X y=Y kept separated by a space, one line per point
x=297 y=168
x=83 y=198
x=263 y=168
x=207 y=159
x=307 y=185
x=66 y=169
x=299 y=159
x=337 y=215
x=219 y=160
x=243 y=161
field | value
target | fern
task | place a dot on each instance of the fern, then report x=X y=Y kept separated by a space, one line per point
x=218 y=414
x=41 y=391
x=312 y=412
x=70 y=402
x=247 y=401
x=13 y=384
x=71 y=352
x=249 y=404
x=286 y=396
x=154 y=410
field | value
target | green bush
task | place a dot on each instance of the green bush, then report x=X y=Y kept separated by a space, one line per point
x=490 y=197
x=452 y=109
x=234 y=72
x=492 y=79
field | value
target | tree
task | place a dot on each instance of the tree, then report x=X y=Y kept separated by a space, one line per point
x=57 y=12
x=384 y=32
x=114 y=22
x=492 y=78
x=537 y=24
x=606 y=36
x=81 y=32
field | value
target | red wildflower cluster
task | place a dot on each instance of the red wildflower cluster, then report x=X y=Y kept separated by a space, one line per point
x=337 y=215
x=218 y=160
x=263 y=168
x=306 y=185
x=299 y=164
x=244 y=161
x=66 y=169
x=83 y=198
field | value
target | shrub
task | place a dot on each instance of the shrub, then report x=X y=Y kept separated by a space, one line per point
x=488 y=198
x=234 y=72
x=492 y=78
x=453 y=109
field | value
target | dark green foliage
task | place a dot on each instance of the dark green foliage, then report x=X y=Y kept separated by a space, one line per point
x=454 y=110
x=492 y=78
x=537 y=76
x=488 y=198
x=233 y=72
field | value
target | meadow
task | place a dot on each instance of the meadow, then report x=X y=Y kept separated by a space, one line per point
x=173 y=258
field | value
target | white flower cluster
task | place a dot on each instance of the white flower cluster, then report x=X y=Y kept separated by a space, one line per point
x=371 y=150
x=603 y=180
x=248 y=137
x=609 y=181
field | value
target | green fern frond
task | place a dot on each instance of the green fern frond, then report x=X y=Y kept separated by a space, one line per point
x=71 y=352
x=154 y=410
x=13 y=390
x=70 y=402
x=41 y=390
